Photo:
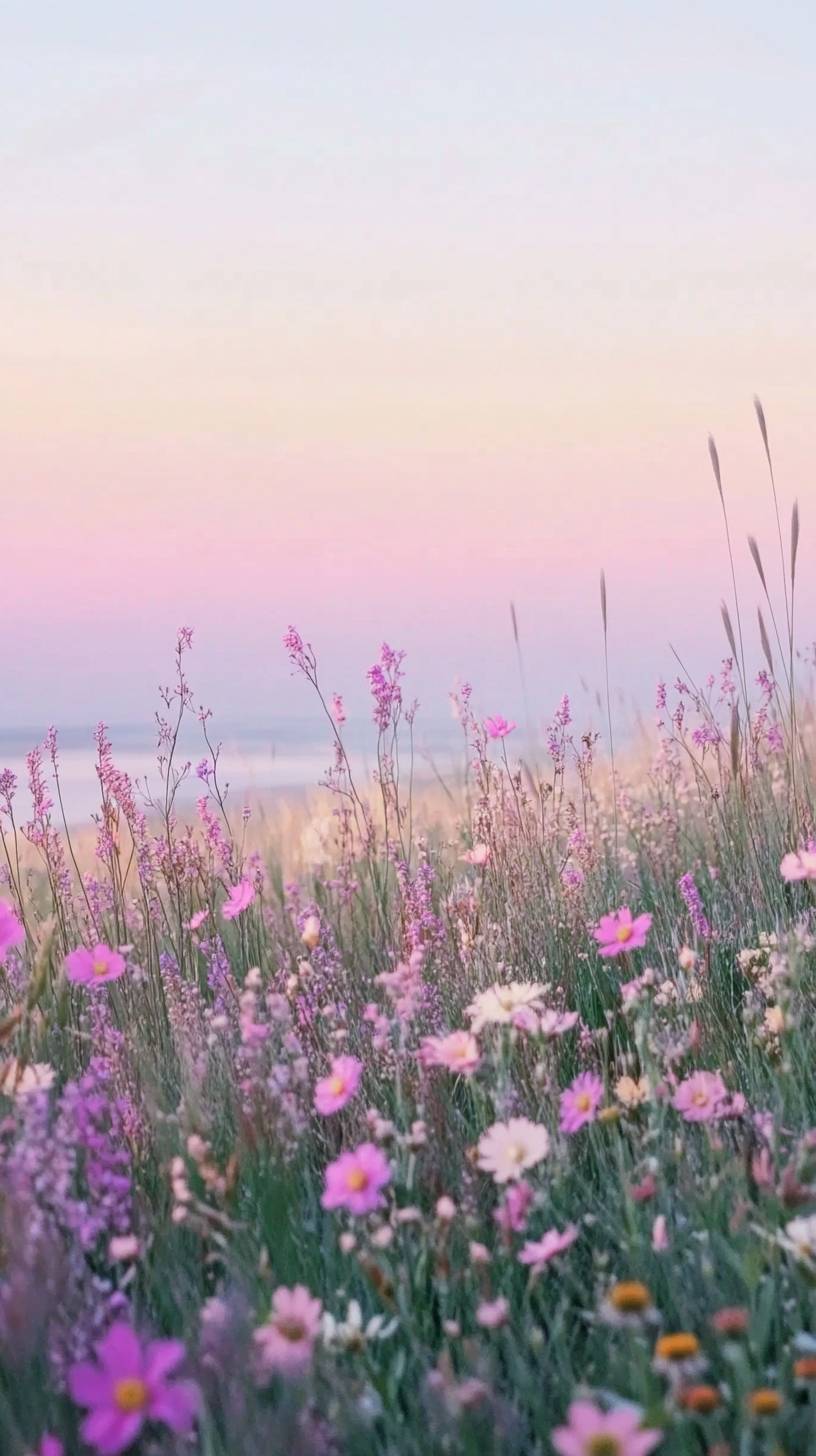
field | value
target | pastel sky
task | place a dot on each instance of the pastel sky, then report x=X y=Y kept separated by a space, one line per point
x=375 y=317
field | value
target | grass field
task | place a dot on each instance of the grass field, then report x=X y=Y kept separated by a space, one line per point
x=497 y=1133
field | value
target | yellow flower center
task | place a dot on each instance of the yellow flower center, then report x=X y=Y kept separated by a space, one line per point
x=505 y=1000
x=603 y=1446
x=624 y=933
x=700 y=1098
x=356 y=1180
x=516 y=1152
x=682 y=1346
x=765 y=1402
x=291 y=1328
x=629 y=1297
x=336 y=1086
x=583 y=1102
x=130 y=1395
x=100 y=967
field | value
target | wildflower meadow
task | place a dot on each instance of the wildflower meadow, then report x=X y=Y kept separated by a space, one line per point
x=495 y=1133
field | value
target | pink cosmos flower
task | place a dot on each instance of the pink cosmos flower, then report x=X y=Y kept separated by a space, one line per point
x=239 y=898
x=127 y=1386
x=557 y=1023
x=354 y=1180
x=799 y=866
x=702 y=1097
x=618 y=933
x=11 y=931
x=94 y=967
x=458 y=1052
x=50 y=1446
x=615 y=1433
x=580 y=1102
x=197 y=919
x=286 y=1342
x=497 y=726
x=342 y=1083
x=478 y=855
x=538 y=1252
x=511 y=1214
x=508 y=1149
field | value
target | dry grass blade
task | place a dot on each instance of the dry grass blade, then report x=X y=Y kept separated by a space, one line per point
x=794 y=540
x=766 y=646
x=729 y=630
x=603 y=600
x=754 y=550
x=715 y=463
x=763 y=428
x=514 y=620
x=735 y=741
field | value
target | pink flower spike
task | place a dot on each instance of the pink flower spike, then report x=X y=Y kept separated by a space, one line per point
x=239 y=898
x=354 y=1180
x=342 y=1083
x=497 y=726
x=11 y=931
x=580 y=1102
x=128 y=1386
x=589 y=1425
x=94 y=967
x=539 y=1252
x=618 y=933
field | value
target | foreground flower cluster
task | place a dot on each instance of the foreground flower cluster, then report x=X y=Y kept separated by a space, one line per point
x=499 y=1136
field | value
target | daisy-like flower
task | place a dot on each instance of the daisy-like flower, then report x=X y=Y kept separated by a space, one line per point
x=632 y=1093
x=508 y=1149
x=580 y=1102
x=19 y=1080
x=594 y=1432
x=239 y=899
x=342 y=1083
x=628 y=1305
x=497 y=726
x=678 y=1356
x=800 y=865
x=94 y=967
x=538 y=1252
x=702 y=1097
x=498 y=1005
x=11 y=930
x=353 y=1333
x=619 y=932
x=800 y=1238
x=127 y=1386
x=284 y=1345
x=355 y=1180
x=458 y=1052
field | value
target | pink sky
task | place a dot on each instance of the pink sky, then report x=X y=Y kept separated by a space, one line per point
x=375 y=342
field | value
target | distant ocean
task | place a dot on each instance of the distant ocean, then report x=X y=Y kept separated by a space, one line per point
x=286 y=755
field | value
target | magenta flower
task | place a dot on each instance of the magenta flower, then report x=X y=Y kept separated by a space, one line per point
x=538 y=1252
x=50 y=1446
x=239 y=898
x=618 y=933
x=11 y=931
x=580 y=1102
x=354 y=1180
x=128 y=1386
x=592 y=1431
x=702 y=1097
x=94 y=967
x=497 y=726
x=342 y=1083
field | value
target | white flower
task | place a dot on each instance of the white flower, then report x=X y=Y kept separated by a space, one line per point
x=508 y=1149
x=20 y=1080
x=800 y=1237
x=497 y=1005
x=351 y=1333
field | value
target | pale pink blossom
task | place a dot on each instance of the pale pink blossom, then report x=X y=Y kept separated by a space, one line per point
x=799 y=865
x=618 y=932
x=508 y=1149
x=478 y=855
x=660 y=1234
x=457 y=1052
x=338 y=1088
x=285 y=1344
x=557 y=1023
x=592 y=1431
x=702 y=1097
x=538 y=1252
x=492 y=1313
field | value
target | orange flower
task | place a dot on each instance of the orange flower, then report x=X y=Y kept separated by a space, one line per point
x=680 y=1346
x=764 y=1402
x=702 y=1399
x=630 y=1297
x=805 y=1368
